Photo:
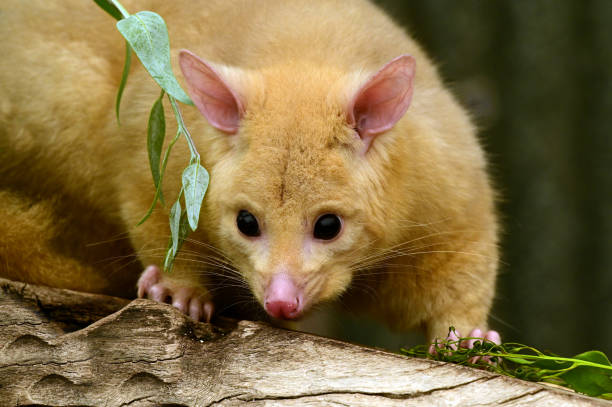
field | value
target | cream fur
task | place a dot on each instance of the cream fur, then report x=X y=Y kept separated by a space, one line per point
x=418 y=207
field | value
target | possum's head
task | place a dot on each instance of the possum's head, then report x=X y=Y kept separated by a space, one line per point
x=291 y=196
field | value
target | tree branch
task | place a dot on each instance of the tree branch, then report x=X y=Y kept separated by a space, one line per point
x=59 y=347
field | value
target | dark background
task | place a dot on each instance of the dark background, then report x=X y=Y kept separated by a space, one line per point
x=537 y=77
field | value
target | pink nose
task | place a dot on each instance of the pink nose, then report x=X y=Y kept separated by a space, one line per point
x=282 y=298
x=283 y=309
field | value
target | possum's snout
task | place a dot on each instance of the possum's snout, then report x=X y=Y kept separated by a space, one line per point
x=283 y=298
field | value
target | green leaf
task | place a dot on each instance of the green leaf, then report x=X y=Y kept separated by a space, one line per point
x=124 y=76
x=175 y=224
x=589 y=372
x=176 y=240
x=161 y=176
x=195 y=183
x=113 y=8
x=594 y=356
x=169 y=260
x=590 y=380
x=156 y=131
x=147 y=34
x=109 y=8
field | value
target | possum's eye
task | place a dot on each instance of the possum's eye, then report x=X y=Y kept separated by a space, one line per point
x=247 y=223
x=327 y=226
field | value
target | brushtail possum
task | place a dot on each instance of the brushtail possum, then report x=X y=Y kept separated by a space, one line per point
x=341 y=167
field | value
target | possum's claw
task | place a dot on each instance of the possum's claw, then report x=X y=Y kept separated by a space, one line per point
x=192 y=300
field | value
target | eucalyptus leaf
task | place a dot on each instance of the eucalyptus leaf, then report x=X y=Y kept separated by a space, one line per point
x=124 y=75
x=195 y=183
x=147 y=34
x=120 y=8
x=177 y=241
x=161 y=176
x=169 y=259
x=175 y=224
x=110 y=8
x=156 y=131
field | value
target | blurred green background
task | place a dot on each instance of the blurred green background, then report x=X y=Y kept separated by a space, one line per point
x=537 y=77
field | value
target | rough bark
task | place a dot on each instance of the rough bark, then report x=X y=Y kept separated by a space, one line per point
x=59 y=347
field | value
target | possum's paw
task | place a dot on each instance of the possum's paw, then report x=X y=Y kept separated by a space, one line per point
x=192 y=300
x=474 y=335
x=477 y=334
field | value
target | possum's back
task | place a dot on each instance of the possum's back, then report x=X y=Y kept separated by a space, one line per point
x=352 y=34
x=59 y=54
x=59 y=71
x=69 y=52
x=61 y=61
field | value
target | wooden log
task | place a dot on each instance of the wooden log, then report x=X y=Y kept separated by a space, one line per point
x=146 y=353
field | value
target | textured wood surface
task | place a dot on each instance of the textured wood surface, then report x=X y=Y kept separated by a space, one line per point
x=148 y=353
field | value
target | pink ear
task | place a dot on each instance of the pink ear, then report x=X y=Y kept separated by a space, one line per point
x=383 y=99
x=211 y=95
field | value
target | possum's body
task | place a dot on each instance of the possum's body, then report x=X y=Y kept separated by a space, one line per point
x=418 y=244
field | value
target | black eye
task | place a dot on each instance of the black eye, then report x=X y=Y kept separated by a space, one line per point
x=327 y=227
x=247 y=223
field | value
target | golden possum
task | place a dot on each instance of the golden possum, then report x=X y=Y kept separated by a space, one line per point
x=341 y=167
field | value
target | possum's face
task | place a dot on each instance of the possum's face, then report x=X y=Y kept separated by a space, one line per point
x=291 y=210
x=288 y=213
